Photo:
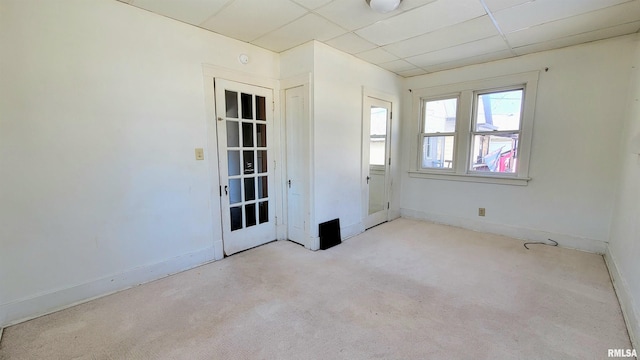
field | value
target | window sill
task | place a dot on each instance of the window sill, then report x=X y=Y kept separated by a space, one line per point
x=498 y=180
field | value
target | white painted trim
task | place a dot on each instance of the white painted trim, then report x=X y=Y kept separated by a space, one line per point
x=1 y=331
x=394 y=214
x=351 y=230
x=499 y=180
x=564 y=240
x=214 y=71
x=314 y=242
x=46 y=303
x=627 y=305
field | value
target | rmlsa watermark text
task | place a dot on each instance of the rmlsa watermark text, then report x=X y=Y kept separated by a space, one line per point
x=622 y=353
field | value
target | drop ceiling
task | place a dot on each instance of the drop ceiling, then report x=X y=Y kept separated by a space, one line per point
x=420 y=37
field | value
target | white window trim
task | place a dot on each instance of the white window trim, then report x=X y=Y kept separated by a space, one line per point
x=462 y=152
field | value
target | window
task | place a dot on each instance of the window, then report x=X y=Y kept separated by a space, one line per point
x=496 y=131
x=438 y=133
x=476 y=131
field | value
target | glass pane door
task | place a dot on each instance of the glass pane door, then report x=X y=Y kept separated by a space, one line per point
x=246 y=179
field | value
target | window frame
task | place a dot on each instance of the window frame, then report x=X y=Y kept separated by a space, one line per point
x=467 y=95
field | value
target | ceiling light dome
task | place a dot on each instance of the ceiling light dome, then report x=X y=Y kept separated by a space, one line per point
x=383 y=6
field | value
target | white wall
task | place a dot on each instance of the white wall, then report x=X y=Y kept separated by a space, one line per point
x=101 y=107
x=623 y=253
x=574 y=160
x=339 y=79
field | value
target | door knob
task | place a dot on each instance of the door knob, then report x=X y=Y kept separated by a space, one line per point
x=368 y=178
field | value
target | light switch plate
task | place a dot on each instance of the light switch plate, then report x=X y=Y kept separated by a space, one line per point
x=199 y=154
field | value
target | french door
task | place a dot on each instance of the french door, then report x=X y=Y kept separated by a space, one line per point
x=246 y=164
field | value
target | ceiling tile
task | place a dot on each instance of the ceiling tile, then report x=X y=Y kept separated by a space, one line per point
x=497 y=5
x=189 y=11
x=397 y=66
x=464 y=51
x=308 y=27
x=247 y=20
x=472 y=30
x=414 y=72
x=470 y=61
x=377 y=56
x=595 y=20
x=581 y=38
x=352 y=14
x=424 y=19
x=351 y=43
x=542 y=11
x=312 y=4
x=411 y=4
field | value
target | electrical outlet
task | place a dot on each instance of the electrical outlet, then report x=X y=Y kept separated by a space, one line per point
x=199 y=154
x=481 y=211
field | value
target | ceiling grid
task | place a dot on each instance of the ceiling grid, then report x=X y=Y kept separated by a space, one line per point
x=421 y=36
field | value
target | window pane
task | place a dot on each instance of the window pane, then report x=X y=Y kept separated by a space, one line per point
x=233 y=158
x=440 y=116
x=247 y=106
x=250 y=212
x=263 y=188
x=236 y=218
x=262 y=135
x=235 y=192
x=249 y=189
x=261 y=108
x=263 y=209
x=262 y=161
x=495 y=153
x=437 y=152
x=499 y=111
x=378 y=136
x=247 y=134
x=233 y=134
x=231 y=103
x=248 y=162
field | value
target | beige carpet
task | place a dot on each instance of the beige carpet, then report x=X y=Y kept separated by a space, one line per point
x=403 y=290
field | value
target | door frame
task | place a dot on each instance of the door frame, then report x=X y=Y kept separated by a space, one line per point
x=210 y=136
x=311 y=240
x=367 y=220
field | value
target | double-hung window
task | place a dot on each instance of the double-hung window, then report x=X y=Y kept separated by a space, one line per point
x=495 y=132
x=476 y=131
x=439 y=133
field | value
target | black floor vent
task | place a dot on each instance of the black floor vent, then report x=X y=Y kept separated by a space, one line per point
x=329 y=234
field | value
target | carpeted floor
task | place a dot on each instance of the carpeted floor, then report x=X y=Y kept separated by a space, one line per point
x=402 y=290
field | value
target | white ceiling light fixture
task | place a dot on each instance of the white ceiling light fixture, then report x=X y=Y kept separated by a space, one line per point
x=383 y=6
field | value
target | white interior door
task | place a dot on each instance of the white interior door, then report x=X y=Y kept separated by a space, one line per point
x=245 y=142
x=376 y=160
x=297 y=164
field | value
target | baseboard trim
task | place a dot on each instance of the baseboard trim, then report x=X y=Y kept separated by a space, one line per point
x=629 y=312
x=29 y=308
x=351 y=230
x=564 y=240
